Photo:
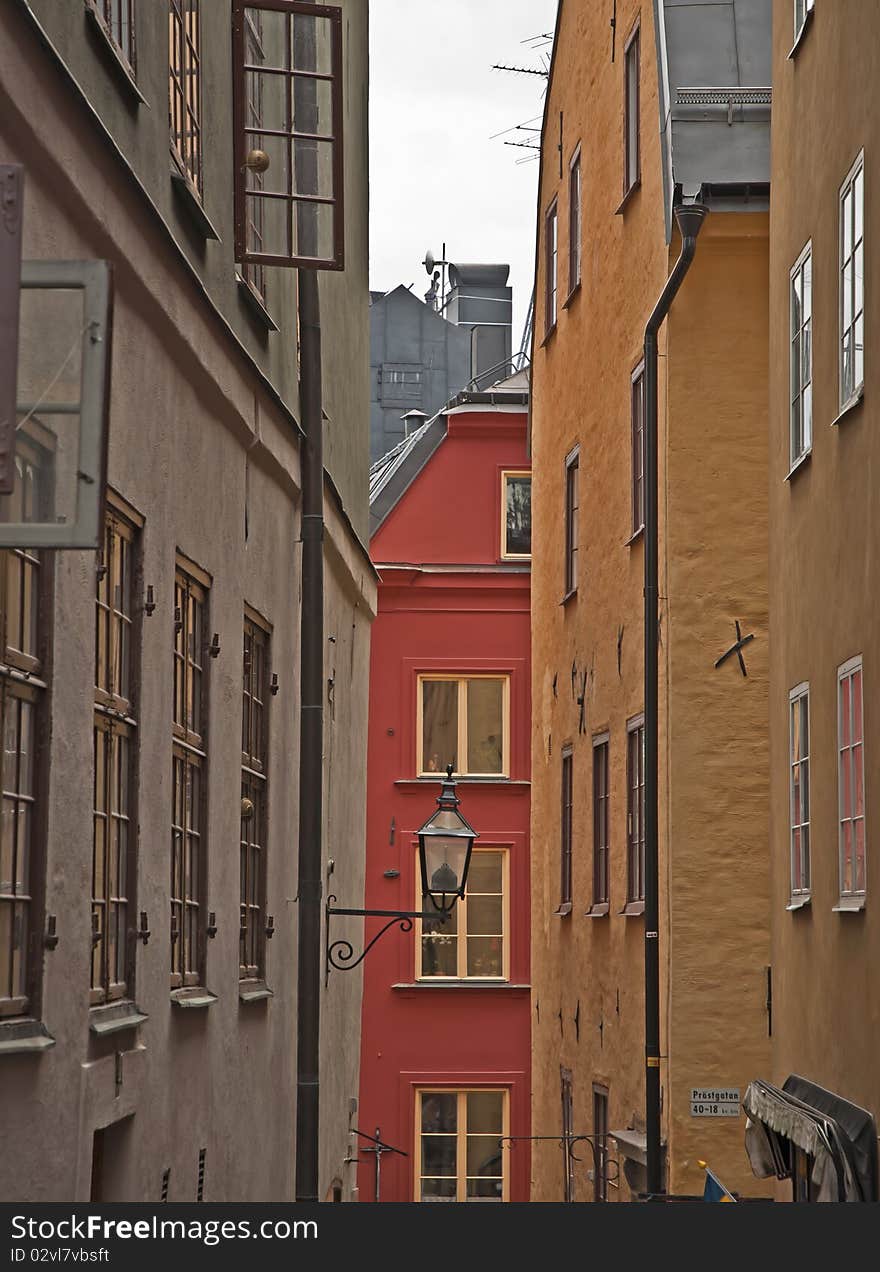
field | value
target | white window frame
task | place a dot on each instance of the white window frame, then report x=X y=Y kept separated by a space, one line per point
x=506 y=475
x=461 y=1135
x=857 y=388
x=855 y=897
x=461 y=679
x=800 y=388
x=799 y=895
x=461 y=933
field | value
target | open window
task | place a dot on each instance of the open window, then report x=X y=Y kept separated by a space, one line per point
x=287 y=75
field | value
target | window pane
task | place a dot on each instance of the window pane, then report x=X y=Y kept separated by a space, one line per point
x=483 y=1155
x=438 y=1189
x=485 y=956
x=439 y=725
x=519 y=516
x=484 y=915
x=439 y=1112
x=485 y=722
x=439 y=956
x=485 y=1112
x=485 y=873
x=438 y=1155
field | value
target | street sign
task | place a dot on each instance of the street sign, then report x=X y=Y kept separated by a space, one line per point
x=715 y=1102
x=11 y=198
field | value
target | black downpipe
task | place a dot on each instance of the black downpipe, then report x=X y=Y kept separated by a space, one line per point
x=690 y=218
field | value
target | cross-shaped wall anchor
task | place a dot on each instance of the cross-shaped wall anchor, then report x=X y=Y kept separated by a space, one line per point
x=737 y=648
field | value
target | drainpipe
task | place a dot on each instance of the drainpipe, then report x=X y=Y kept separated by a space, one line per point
x=690 y=218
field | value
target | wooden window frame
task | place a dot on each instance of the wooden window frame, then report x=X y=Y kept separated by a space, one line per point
x=572 y=510
x=551 y=268
x=637 y=429
x=635 y=816
x=799 y=777
x=853 y=897
x=800 y=335
x=461 y=680
x=254 y=272
x=255 y=787
x=506 y=475
x=566 y=830
x=854 y=392
x=461 y=1136
x=600 y=1140
x=633 y=42
x=461 y=934
x=113 y=29
x=601 y=843
x=184 y=63
x=575 y=223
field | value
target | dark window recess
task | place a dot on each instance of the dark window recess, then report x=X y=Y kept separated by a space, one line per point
x=117 y=19
x=551 y=266
x=200 y=1193
x=574 y=224
x=567 y=1133
x=635 y=813
x=600 y=1140
x=571 y=523
x=185 y=88
x=254 y=800
x=637 y=414
x=166 y=1182
x=600 y=823
x=565 y=838
x=287 y=63
x=632 y=158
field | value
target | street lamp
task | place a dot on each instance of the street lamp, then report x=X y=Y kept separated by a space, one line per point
x=445 y=844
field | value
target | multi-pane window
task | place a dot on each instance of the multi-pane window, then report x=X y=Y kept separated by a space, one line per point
x=571 y=522
x=637 y=422
x=185 y=87
x=635 y=810
x=600 y=821
x=464 y=722
x=189 y=772
x=516 y=512
x=472 y=940
x=566 y=830
x=254 y=799
x=117 y=19
x=458 y=1155
x=799 y=789
x=567 y=1134
x=801 y=377
x=551 y=266
x=574 y=223
x=851 y=778
x=600 y=1140
x=801 y=9
x=22 y=693
x=113 y=844
x=852 y=282
x=255 y=84
x=632 y=161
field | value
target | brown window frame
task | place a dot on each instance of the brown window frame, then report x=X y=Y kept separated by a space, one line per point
x=189 y=757
x=572 y=506
x=637 y=428
x=601 y=822
x=185 y=107
x=120 y=34
x=254 y=787
x=115 y=737
x=635 y=815
x=461 y=1137
x=567 y=1096
x=575 y=222
x=600 y=1143
x=242 y=131
x=551 y=268
x=566 y=829
x=632 y=164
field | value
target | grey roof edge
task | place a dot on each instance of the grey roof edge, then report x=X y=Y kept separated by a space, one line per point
x=488 y=397
x=390 y=493
x=665 y=102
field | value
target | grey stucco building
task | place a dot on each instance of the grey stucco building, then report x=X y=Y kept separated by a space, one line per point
x=150 y=695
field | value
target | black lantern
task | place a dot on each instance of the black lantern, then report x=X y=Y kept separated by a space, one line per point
x=445 y=844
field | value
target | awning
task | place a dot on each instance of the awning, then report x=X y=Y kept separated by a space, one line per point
x=839 y=1136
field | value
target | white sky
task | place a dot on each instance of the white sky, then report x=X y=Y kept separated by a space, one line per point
x=435 y=102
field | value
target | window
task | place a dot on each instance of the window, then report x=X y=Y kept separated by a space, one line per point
x=637 y=418
x=255 y=230
x=516 y=512
x=851 y=779
x=115 y=833
x=566 y=831
x=551 y=266
x=635 y=813
x=852 y=283
x=802 y=355
x=567 y=1134
x=472 y=942
x=189 y=773
x=632 y=161
x=22 y=700
x=464 y=721
x=185 y=88
x=600 y=1139
x=254 y=799
x=458 y=1157
x=571 y=522
x=116 y=18
x=799 y=791
x=801 y=9
x=600 y=824
x=574 y=223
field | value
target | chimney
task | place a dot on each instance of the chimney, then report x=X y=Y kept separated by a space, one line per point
x=480 y=299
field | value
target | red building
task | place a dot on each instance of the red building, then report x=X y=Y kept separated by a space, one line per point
x=446 y=1016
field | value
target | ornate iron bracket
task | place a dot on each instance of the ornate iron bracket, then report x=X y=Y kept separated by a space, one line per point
x=602 y=1159
x=340 y=954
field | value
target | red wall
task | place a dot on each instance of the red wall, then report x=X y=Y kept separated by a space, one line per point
x=457 y=621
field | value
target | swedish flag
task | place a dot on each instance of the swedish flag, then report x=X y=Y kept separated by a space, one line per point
x=714 y=1190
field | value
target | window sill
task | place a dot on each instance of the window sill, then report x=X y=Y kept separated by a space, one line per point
x=849 y=905
x=115 y=1017
x=599 y=911
x=849 y=406
x=621 y=207
x=24 y=1037
x=193 y=996
x=190 y=199
x=118 y=61
x=799 y=463
x=548 y=335
x=472 y=982
x=255 y=304
x=799 y=903
x=633 y=909
x=635 y=536
x=575 y=291
x=254 y=991
x=563 y=909
x=460 y=780
x=798 y=39
x=568 y=596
